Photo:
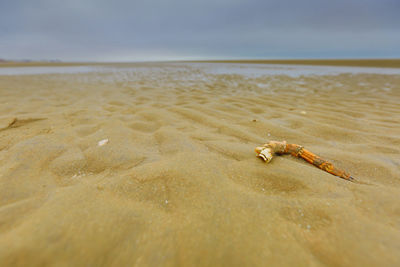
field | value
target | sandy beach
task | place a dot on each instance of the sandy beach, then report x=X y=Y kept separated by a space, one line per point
x=153 y=164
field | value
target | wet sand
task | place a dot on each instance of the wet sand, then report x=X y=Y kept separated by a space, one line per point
x=178 y=182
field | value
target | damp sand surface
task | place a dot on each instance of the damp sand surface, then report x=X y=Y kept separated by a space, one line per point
x=154 y=165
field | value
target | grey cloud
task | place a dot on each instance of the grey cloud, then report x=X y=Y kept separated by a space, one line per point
x=177 y=29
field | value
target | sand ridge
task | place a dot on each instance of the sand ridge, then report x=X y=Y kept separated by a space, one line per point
x=178 y=183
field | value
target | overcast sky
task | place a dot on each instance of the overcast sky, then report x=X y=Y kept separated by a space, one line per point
x=131 y=30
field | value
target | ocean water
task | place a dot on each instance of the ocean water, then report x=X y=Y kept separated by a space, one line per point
x=45 y=70
x=249 y=70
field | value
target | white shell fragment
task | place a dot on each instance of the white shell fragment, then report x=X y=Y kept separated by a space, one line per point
x=102 y=142
x=265 y=154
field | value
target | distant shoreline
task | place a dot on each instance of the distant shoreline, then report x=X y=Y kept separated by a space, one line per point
x=377 y=63
x=6 y=64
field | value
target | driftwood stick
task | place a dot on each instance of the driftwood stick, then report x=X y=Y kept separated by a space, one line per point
x=268 y=150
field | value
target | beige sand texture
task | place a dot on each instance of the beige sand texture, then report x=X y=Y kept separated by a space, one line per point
x=179 y=184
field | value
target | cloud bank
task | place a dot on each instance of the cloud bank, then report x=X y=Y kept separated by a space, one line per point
x=122 y=30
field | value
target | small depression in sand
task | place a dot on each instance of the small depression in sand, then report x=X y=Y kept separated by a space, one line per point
x=154 y=165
